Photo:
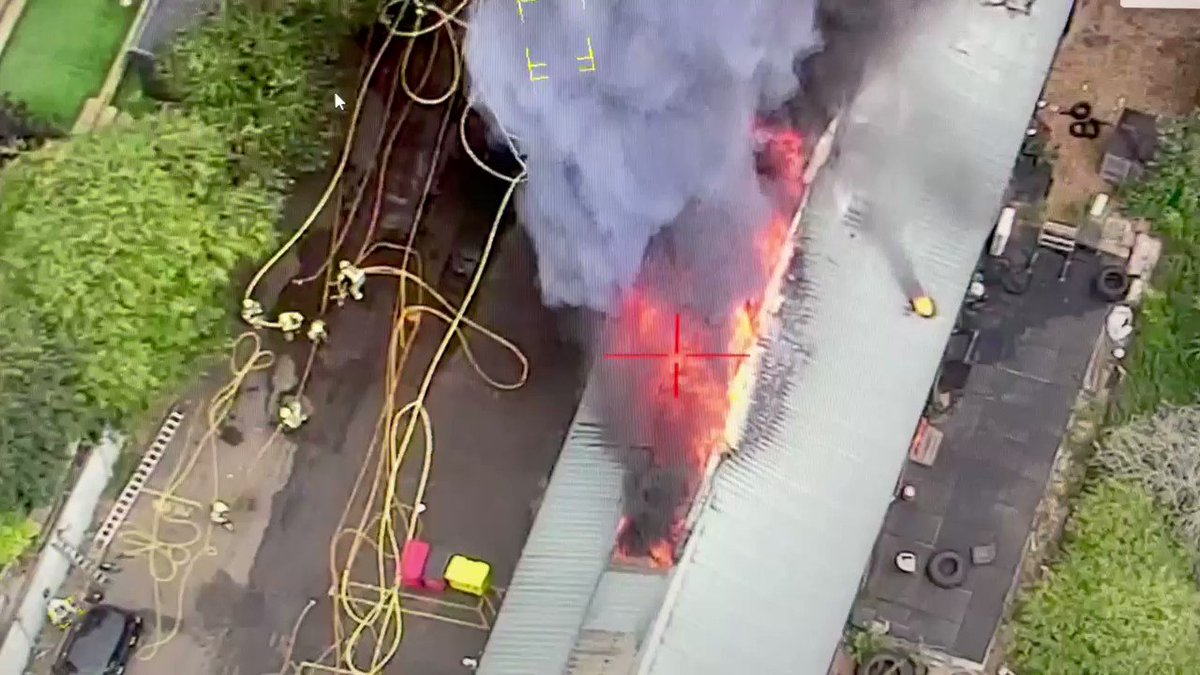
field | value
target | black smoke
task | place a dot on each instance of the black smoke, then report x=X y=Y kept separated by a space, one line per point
x=643 y=181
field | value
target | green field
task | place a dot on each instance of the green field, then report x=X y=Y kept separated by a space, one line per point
x=60 y=52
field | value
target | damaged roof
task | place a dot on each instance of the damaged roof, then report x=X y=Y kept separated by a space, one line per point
x=769 y=574
x=771 y=570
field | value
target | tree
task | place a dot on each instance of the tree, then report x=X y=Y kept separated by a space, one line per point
x=41 y=410
x=1120 y=601
x=266 y=78
x=123 y=245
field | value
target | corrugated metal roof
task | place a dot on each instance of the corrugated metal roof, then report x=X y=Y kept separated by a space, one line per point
x=772 y=567
x=599 y=652
x=568 y=550
x=626 y=602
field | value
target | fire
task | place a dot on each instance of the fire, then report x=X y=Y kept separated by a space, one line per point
x=661 y=554
x=694 y=393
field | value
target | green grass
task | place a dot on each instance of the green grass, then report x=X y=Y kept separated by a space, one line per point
x=1164 y=365
x=60 y=52
x=1121 y=599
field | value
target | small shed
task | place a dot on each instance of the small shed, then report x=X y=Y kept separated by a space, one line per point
x=1131 y=147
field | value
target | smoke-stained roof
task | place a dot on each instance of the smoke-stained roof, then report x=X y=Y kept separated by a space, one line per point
x=773 y=565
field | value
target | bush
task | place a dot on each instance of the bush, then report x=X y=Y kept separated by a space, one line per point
x=1161 y=453
x=19 y=129
x=16 y=534
x=41 y=411
x=123 y=244
x=1121 y=599
x=267 y=79
x=1164 y=365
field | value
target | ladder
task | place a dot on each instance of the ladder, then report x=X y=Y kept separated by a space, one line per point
x=124 y=504
x=79 y=560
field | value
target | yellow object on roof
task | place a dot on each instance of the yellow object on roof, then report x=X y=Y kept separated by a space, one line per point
x=468 y=576
x=923 y=306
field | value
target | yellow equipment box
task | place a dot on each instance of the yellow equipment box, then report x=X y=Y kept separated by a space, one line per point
x=468 y=576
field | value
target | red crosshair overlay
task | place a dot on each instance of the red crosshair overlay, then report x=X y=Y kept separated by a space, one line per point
x=677 y=356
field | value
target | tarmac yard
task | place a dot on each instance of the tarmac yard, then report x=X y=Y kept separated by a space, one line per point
x=263 y=597
x=239 y=602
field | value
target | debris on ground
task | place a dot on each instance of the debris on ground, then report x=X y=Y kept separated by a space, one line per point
x=1114 y=59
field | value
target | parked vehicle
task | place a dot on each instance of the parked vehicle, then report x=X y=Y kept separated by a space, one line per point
x=101 y=642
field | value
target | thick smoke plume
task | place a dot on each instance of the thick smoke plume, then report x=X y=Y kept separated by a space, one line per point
x=644 y=198
x=663 y=122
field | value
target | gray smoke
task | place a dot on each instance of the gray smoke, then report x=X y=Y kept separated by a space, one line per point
x=642 y=174
x=658 y=134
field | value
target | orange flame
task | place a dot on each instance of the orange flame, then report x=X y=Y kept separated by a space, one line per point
x=711 y=391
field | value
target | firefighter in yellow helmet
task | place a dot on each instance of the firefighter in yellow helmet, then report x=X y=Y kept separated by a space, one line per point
x=292 y=414
x=318 y=332
x=291 y=323
x=62 y=612
x=218 y=514
x=923 y=306
x=253 y=313
x=350 y=280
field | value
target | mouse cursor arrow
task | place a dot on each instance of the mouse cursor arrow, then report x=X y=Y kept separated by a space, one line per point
x=339 y=102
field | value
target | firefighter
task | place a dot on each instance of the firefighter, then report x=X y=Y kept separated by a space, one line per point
x=218 y=514
x=252 y=313
x=923 y=306
x=317 y=331
x=350 y=280
x=61 y=612
x=290 y=323
x=292 y=414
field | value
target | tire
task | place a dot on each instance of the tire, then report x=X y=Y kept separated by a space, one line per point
x=1112 y=283
x=887 y=663
x=946 y=569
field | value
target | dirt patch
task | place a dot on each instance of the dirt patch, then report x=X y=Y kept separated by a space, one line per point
x=1115 y=58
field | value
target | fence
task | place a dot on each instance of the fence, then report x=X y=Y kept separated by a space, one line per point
x=53 y=565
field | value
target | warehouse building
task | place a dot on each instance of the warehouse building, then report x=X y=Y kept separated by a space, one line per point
x=784 y=530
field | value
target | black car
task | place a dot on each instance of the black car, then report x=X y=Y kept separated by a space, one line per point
x=101 y=642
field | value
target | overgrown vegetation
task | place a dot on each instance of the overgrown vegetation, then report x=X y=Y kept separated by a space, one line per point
x=1123 y=598
x=1121 y=601
x=1161 y=453
x=1164 y=365
x=41 y=409
x=20 y=129
x=16 y=534
x=123 y=244
x=266 y=79
x=118 y=249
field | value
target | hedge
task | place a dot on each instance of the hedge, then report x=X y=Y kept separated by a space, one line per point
x=1120 y=601
x=41 y=409
x=124 y=244
x=267 y=79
